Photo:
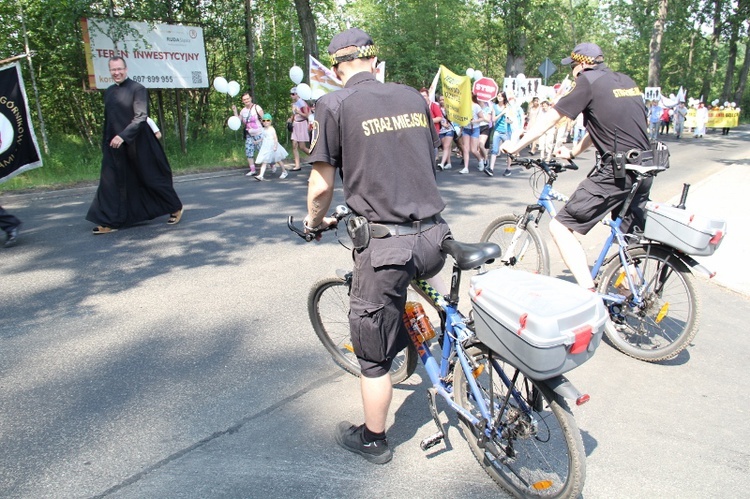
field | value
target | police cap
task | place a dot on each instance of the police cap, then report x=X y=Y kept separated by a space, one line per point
x=362 y=46
x=585 y=53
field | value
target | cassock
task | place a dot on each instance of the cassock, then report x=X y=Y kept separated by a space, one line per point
x=136 y=180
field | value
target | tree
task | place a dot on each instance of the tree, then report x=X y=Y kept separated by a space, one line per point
x=654 y=60
x=309 y=31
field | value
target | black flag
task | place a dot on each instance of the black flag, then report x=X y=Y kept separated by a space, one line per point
x=18 y=148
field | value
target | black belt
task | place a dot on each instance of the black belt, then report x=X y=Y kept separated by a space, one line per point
x=380 y=231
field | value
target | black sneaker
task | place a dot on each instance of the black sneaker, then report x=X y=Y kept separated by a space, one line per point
x=12 y=237
x=488 y=172
x=350 y=438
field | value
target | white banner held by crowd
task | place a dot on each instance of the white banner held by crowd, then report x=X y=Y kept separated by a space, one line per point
x=157 y=55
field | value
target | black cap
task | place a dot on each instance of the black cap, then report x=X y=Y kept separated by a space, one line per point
x=586 y=53
x=353 y=37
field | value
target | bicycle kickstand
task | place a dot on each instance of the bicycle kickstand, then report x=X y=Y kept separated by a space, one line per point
x=438 y=437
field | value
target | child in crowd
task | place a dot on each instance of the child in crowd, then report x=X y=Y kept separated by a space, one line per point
x=271 y=152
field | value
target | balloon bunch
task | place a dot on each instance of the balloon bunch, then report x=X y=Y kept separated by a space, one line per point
x=231 y=88
x=221 y=85
x=474 y=74
x=303 y=89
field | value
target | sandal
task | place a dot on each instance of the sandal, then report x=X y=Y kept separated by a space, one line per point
x=102 y=229
x=175 y=218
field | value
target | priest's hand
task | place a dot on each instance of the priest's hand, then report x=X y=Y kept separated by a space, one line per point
x=116 y=142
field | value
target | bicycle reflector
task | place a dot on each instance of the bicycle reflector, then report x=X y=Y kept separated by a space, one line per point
x=542 y=485
x=582 y=399
x=583 y=337
x=717 y=237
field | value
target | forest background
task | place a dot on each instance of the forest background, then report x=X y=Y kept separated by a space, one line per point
x=701 y=45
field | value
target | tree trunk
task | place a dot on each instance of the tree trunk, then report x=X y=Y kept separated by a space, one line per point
x=742 y=83
x=731 y=63
x=250 y=44
x=654 y=57
x=713 y=58
x=515 y=38
x=308 y=30
x=178 y=112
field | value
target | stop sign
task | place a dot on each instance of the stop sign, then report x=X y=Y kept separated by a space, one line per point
x=485 y=89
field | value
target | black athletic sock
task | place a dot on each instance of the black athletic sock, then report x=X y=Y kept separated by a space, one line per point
x=369 y=436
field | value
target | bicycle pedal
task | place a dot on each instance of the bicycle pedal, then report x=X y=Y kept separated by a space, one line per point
x=431 y=441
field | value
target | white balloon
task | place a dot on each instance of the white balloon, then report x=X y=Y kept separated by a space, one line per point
x=726 y=103
x=470 y=73
x=318 y=93
x=233 y=88
x=296 y=74
x=304 y=91
x=477 y=74
x=220 y=84
x=716 y=101
x=520 y=78
x=234 y=123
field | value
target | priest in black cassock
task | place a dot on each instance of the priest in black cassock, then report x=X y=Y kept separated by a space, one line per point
x=136 y=180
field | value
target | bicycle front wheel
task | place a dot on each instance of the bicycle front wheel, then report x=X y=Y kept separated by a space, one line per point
x=666 y=320
x=328 y=306
x=534 y=448
x=523 y=249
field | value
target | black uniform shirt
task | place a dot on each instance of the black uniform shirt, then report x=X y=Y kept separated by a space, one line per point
x=609 y=101
x=381 y=137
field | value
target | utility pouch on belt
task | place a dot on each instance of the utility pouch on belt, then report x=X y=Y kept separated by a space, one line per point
x=618 y=165
x=359 y=231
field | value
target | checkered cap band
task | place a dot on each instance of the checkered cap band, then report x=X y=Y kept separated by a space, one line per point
x=364 y=52
x=583 y=59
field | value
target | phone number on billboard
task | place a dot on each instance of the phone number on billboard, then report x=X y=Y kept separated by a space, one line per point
x=153 y=79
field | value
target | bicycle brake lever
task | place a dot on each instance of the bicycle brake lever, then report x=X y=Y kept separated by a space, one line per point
x=307 y=236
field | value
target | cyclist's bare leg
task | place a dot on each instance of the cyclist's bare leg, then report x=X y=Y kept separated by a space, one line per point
x=572 y=253
x=376 y=399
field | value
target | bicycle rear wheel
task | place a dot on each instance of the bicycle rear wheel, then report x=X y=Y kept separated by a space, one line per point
x=523 y=249
x=535 y=448
x=667 y=320
x=328 y=306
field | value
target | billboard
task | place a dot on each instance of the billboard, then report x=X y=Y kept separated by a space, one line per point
x=157 y=55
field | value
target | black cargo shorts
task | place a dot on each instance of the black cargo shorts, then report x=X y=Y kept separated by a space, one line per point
x=602 y=193
x=382 y=273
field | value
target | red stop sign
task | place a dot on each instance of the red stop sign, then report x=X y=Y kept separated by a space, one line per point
x=485 y=89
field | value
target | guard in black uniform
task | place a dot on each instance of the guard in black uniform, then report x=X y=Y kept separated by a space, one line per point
x=381 y=140
x=615 y=119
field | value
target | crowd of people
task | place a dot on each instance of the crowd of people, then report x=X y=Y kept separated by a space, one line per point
x=261 y=137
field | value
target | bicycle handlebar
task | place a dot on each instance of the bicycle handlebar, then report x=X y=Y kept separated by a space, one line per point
x=549 y=167
x=340 y=212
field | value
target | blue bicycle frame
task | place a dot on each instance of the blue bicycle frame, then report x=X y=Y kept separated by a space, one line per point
x=454 y=335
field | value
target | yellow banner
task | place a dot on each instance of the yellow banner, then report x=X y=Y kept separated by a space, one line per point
x=457 y=93
x=717 y=118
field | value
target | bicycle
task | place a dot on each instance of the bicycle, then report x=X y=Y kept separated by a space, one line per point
x=519 y=427
x=653 y=304
x=526 y=250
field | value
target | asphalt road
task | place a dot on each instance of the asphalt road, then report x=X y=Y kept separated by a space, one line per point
x=164 y=361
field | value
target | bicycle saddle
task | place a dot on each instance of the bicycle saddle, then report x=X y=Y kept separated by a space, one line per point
x=471 y=255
